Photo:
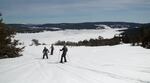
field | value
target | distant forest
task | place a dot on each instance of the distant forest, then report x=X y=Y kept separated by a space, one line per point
x=34 y=28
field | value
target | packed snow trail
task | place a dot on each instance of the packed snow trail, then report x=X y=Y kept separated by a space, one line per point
x=105 y=64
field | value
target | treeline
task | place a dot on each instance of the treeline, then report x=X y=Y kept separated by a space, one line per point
x=100 y=41
x=24 y=28
x=138 y=36
x=35 y=28
x=30 y=30
x=90 y=25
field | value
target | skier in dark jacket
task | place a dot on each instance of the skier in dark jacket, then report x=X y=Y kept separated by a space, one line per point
x=45 y=52
x=52 y=49
x=63 y=56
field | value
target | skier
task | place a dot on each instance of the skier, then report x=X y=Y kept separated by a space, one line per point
x=45 y=52
x=52 y=49
x=63 y=56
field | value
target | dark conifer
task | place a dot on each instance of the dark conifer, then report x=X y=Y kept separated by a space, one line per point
x=7 y=42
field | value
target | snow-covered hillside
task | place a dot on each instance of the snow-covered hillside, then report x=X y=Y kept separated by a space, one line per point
x=49 y=37
x=103 y=64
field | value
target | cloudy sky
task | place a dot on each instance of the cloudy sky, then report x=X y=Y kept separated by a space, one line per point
x=62 y=11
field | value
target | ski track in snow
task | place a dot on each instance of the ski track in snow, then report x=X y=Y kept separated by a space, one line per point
x=109 y=74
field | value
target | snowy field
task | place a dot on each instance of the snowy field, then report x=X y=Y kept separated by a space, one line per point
x=49 y=37
x=103 y=64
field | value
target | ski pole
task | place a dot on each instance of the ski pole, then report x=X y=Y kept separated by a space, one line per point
x=68 y=57
x=58 y=55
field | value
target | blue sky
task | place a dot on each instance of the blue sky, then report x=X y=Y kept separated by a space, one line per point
x=72 y=11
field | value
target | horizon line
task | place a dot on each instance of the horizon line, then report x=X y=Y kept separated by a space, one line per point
x=81 y=22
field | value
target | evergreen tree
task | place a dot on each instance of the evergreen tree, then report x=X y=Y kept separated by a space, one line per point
x=138 y=36
x=145 y=30
x=7 y=43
